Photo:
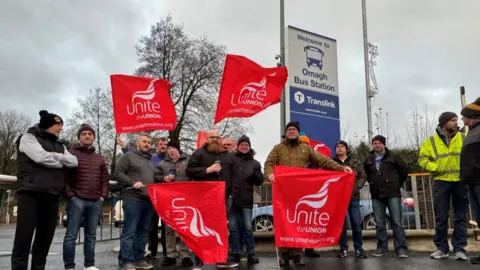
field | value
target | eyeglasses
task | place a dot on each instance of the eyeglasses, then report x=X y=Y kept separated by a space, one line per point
x=215 y=137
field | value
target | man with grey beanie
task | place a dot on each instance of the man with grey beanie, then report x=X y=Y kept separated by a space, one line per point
x=440 y=155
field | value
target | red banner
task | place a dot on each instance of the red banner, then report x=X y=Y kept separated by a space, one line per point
x=309 y=206
x=321 y=148
x=202 y=138
x=141 y=104
x=248 y=88
x=197 y=212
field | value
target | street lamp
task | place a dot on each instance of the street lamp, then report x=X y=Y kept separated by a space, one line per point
x=7 y=218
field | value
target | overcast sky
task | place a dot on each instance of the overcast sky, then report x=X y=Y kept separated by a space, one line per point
x=51 y=52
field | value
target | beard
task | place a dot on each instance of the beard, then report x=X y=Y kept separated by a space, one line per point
x=213 y=147
x=292 y=141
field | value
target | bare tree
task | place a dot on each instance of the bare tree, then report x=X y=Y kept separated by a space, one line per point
x=344 y=132
x=96 y=110
x=422 y=126
x=384 y=128
x=12 y=125
x=194 y=67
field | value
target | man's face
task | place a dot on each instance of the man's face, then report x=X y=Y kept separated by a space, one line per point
x=244 y=148
x=340 y=149
x=378 y=146
x=144 y=143
x=55 y=129
x=228 y=144
x=292 y=133
x=161 y=146
x=467 y=121
x=451 y=125
x=86 y=138
x=173 y=153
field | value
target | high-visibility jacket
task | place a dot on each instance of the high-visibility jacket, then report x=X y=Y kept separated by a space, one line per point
x=440 y=159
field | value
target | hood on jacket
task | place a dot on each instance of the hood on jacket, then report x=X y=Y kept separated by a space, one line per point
x=372 y=152
x=248 y=155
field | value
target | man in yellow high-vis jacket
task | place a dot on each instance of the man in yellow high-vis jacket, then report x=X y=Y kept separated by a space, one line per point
x=440 y=155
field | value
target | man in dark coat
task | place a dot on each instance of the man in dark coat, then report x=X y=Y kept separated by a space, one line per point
x=247 y=174
x=212 y=162
x=41 y=163
x=386 y=173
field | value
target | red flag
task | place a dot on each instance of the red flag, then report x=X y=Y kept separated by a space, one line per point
x=321 y=147
x=196 y=211
x=309 y=206
x=141 y=104
x=202 y=138
x=248 y=88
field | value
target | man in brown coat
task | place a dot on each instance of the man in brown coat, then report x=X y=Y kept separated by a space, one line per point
x=291 y=152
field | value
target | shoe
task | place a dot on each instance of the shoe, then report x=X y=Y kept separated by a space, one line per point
x=342 y=253
x=187 y=262
x=143 y=265
x=402 y=254
x=283 y=260
x=379 y=253
x=299 y=260
x=235 y=258
x=460 y=256
x=310 y=252
x=168 y=261
x=361 y=253
x=128 y=266
x=91 y=268
x=227 y=265
x=438 y=254
x=198 y=265
x=251 y=258
x=150 y=256
x=475 y=260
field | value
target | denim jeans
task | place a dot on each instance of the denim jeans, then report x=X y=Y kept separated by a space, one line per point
x=137 y=219
x=235 y=217
x=394 y=205
x=356 y=222
x=474 y=193
x=87 y=212
x=442 y=192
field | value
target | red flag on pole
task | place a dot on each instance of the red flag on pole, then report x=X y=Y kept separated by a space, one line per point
x=248 y=88
x=202 y=138
x=309 y=206
x=321 y=148
x=141 y=104
x=197 y=212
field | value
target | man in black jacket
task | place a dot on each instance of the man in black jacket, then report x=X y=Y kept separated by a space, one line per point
x=247 y=173
x=386 y=173
x=41 y=163
x=470 y=160
x=212 y=162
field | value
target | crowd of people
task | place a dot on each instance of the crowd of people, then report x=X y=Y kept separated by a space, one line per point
x=47 y=170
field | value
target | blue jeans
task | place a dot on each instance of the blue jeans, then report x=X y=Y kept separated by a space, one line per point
x=356 y=222
x=442 y=192
x=394 y=206
x=235 y=217
x=87 y=212
x=137 y=219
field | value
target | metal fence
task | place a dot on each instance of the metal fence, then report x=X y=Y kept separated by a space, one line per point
x=417 y=206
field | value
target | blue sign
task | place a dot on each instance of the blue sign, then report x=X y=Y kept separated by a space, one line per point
x=312 y=94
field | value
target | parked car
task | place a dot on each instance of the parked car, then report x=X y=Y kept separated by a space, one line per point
x=262 y=217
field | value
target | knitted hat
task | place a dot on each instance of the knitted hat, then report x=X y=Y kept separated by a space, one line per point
x=48 y=119
x=344 y=143
x=85 y=127
x=174 y=144
x=294 y=124
x=445 y=117
x=304 y=139
x=244 y=138
x=472 y=110
x=380 y=138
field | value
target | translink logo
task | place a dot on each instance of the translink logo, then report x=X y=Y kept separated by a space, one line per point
x=300 y=98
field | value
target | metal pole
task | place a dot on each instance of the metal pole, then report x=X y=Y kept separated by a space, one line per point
x=463 y=100
x=283 y=118
x=7 y=217
x=367 y=73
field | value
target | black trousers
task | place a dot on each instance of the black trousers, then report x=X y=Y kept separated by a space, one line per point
x=36 y=212
x=153 y=237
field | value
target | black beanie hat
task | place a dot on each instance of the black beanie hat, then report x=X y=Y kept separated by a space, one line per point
x=244 y=138
x=85 y=127
x=380 y=138
x=445 y=117
x=293 y=124
x=472 y=110
x=174 y=144
x=48 y=119
x=344 y=143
